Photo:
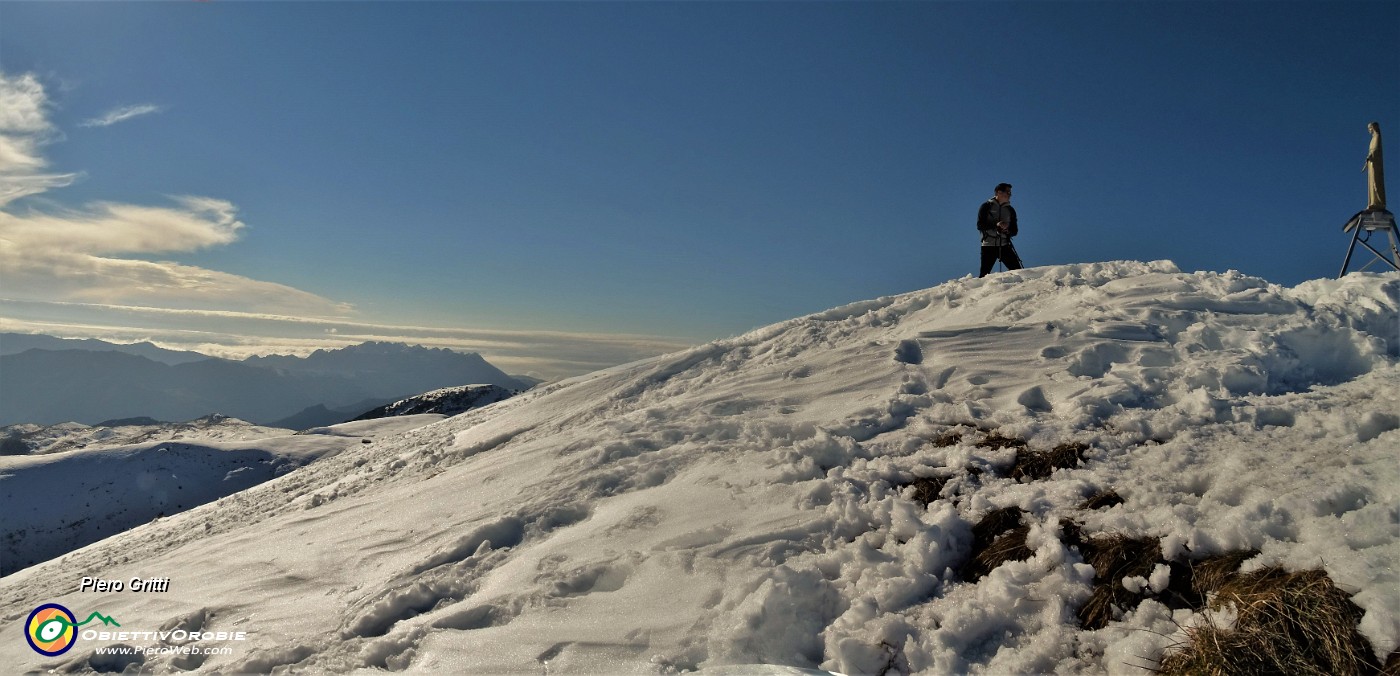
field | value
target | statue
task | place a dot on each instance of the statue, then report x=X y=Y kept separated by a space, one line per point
x=1375 y=172
x=1374 y=218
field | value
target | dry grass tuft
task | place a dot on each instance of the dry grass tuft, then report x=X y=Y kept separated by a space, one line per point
x=1192 y=583
x=952 y=437
x=1011 y=546
x=1114 y=558
x=981 y=438
x=1071 y=532
x=1102 y=500
x=998 y=538
x=996 y=441
x=926 y=489
x=1288 y=623
x=995 y=523
x=1034 y=465
x=1029 y=464
x=1210 y=575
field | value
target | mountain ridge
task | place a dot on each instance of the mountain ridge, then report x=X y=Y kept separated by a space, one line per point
x=53 y=386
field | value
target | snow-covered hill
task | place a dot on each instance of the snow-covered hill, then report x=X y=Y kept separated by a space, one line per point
x=810 y=494
x=39 y=439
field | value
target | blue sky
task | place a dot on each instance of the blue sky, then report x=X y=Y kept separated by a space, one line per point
x=565 y=185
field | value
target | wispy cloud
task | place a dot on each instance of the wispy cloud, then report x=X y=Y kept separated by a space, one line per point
x=98 y=253
x=24 y=128
x=80 y=256
x=122 y=114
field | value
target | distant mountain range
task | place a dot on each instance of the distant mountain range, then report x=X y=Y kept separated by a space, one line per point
x=47 y=380
x=15 y=343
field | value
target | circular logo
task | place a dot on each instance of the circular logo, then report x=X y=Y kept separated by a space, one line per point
x=51 y=630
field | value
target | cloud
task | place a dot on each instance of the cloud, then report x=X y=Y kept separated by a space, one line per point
x=100 y=253
x=107 y=228
x=23 y=105
x=24 y=128
x=121 y=115
x=72 y=256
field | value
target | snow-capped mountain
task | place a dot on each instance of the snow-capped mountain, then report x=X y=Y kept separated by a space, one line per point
x=813 y=495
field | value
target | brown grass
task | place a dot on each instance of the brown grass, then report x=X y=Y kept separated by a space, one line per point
x=1114 y=558
x=999 y=537
x=1011 y=546
x=1210 y=575
x=950 y=438
x=926 y=489
x=1032 y=465
x=996 y=441
x=995 y=523
x=1288 y=623
x=988 y=439
x=1102 y=500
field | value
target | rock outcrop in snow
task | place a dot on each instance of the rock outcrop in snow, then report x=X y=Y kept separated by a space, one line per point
x=810 y=494
x=448 y=401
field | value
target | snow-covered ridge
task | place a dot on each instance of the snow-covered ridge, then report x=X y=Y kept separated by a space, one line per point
x=40 y=439
x=754 y=500
x=447 y=401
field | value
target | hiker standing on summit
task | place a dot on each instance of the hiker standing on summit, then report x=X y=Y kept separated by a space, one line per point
x=996 y=219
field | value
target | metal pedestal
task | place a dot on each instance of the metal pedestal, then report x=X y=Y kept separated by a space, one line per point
x=1363 y=226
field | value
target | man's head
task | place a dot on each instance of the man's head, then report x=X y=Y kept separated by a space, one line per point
x=1003 y=192
x=1374 y=127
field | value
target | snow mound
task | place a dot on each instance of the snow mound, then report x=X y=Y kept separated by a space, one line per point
x=764 y=500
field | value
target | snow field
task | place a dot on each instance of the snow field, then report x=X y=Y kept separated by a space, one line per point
x=752 y=501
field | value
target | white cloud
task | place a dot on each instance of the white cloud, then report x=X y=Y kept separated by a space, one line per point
x=23 y=105
x=24 y=128
x=96 y=254
x=121 y=115
x=107 y=228
x=71 y=256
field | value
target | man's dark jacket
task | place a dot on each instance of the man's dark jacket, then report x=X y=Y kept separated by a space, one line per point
x=990 y=213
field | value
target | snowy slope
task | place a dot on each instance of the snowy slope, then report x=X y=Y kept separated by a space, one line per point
x=749 y=501
x=57 y=502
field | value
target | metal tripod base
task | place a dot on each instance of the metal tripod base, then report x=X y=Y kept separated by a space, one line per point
x=1370 y=222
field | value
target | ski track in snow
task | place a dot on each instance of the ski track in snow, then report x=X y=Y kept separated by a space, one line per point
x=746 y=501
